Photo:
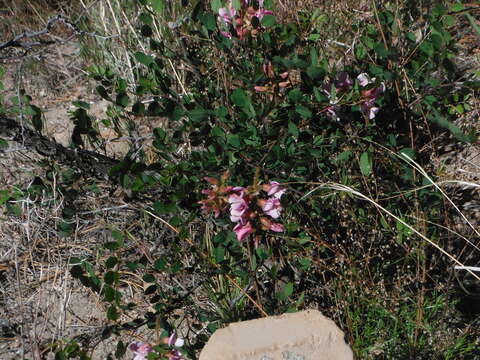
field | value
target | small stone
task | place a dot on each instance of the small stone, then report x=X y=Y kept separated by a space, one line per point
x=306 y=335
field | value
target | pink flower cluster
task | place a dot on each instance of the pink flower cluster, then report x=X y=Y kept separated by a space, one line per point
x=247 y=209
x=216 y=195
x=368 y=93
x=141 y=349
x=242 y=18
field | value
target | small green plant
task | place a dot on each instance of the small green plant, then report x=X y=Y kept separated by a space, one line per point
x=306 y=204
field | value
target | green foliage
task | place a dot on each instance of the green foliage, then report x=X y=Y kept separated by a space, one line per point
x=384 y=332
x=2 y=88
x=260 y=102
x=71 y=350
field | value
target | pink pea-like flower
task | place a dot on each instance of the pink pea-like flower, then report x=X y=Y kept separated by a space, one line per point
x=274 y=189
x=369 y=97
x=267 y=224
x=276 y=227
x=364 y=79
x=173 y=340
x=343 y=81
x=272 y=207
x=175 y=355
x=227 y=14
x=243 y=230
x=141 y=350
x=238 y=207
x=260 y=88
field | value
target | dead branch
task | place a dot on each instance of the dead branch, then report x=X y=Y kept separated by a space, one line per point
x=89 y=162
x=24 y=40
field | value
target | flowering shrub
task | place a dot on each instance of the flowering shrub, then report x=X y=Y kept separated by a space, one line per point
x=244 y=21
x=368 y=94
x=248 y=207
x=141 y=350
x=243 y=92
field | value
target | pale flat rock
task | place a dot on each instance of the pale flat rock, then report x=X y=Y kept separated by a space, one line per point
x=306 y=335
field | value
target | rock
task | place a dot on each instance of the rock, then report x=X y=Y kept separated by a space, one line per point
x=306 y=335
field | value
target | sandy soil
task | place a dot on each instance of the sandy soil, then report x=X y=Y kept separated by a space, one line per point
x=40 y=302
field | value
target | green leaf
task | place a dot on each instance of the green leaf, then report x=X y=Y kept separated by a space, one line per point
x=448 y=21
x=73 y=260
x=160 y=264
x=218 y=132
x=288 y=289
x=121 y=85
x=457 y=7
x=216 y=5
x=360 y=51
x=473 y=23
x=237 y=4
x=158 y=5
x=160 y=135
x=315 y=72
x=198 y=114
x=162 y=208
x=121 y=349
x=239 y=98
x=109 y=277
x=303 y=111
x=292 y=129
x=138 y=108
x=313 y=57
x=427 y=48
x=146 y=18
x=122 y=99
x=208 y=20
x=76 y=271
x=411 y=36
x=103 y=93
x=304 y=263
x=112 y=313
x=219 y=253
x=109 y=293
x=111 y=245
x=381 y=50
x=149 y=278
x=344 y=156
x=437 y=40
x=146 y=30
x=144 y=58
x=268 y=21
x=295 y=95
x=409 y=152
x=222 y=112
x=117 y=234
x=37 y=118
x=111 y=262
x=369 y=42
x=233 y=140
x=61 y=355
x=366 y=163
x=81 y=104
